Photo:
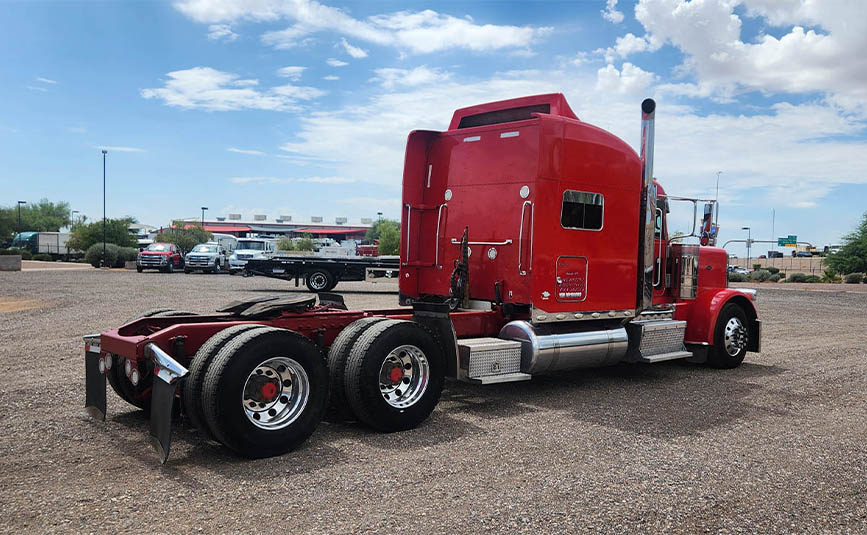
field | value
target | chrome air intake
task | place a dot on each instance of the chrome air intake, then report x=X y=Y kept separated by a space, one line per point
x=553 y=348
x=647 y=209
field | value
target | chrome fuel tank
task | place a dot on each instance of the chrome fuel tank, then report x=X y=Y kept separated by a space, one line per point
x=553 y=348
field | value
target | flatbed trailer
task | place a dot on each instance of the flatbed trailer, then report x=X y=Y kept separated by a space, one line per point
x=321 y=274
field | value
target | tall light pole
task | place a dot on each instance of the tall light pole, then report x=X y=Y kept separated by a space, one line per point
x=19 y=215
x=73 y=216
x=104 y=152
x=749 y=243
x=718 y=173
x=203 y=215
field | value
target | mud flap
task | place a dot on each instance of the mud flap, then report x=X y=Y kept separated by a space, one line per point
x=167 y=372
x=94 y=383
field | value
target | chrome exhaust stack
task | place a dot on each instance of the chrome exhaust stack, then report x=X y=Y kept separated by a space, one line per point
x=644 y=294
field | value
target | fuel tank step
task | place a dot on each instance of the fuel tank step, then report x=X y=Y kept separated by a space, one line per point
x=491 y=360
x=656 y=340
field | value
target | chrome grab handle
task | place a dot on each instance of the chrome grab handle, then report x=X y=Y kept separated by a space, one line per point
x=659 y=252
x=408 y=227
x=458 y=242
x=521 y=271
x=437 y=240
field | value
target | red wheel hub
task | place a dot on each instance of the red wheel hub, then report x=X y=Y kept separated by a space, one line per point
x=396 y=374
x=268 y=391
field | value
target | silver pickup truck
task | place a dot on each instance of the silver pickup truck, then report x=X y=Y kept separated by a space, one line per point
x=207 y=257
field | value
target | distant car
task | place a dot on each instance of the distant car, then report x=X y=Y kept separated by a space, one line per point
x=775 y=254
x=207 y=257
x=804 y=254
x=165 y=257
x=762 y=256
x=742 y=271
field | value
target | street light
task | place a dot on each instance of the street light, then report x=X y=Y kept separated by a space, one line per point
x=19 y=215
x=104 y=152
x=203 y=215
x=718 y=173
x=73 y=216
x=379 y=215
x=749 y=243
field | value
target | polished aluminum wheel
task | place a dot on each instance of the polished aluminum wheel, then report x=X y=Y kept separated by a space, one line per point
x=735 y=336
x=404 y=376
x=318 y=281
x=275 y=393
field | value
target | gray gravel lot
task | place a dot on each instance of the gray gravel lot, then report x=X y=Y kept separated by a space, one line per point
x=778 y=445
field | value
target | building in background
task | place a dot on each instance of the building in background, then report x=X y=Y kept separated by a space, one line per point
x=339 y=229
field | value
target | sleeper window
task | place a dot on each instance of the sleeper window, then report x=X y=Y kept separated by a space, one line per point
x=581 y=210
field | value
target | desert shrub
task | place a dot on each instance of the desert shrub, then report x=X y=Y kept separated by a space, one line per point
x=813 y=278
x=797 y=277
x=865 y=278
x=285 y=244
x=775 y=277
x=760 y=275
x=25 y=254
x=125 y=254
x=830 y=276
x=737 y=277
x=757 y=267
x=773 y=270
x=93 y=256
x=43 y=257
x=853 y=278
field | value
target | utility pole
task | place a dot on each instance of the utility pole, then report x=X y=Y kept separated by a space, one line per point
x=19 y=215
x=749 y=243
x=104 y=152
x=203 y=215
x=718 y=173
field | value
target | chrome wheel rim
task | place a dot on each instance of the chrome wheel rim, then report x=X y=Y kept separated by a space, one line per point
x=735 y=336
x=318 y=281
x=275 y=393
x=404 y=376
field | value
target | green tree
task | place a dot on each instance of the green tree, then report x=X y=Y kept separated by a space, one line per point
x=375 y=231
x=184 y=235
x=305 y=243
x=389 y=240
x=285 y=244
x=852 y=257
x=41 y=216
x=83 y=235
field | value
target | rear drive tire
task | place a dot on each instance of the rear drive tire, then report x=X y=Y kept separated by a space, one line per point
x=191 y=393
x=170 y=268
x=730 y=339
x=320 y=280
x=265 y=392
x=338 y=406
x=394 y=375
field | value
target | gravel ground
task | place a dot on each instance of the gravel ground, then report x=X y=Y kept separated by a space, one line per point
x=778 y=445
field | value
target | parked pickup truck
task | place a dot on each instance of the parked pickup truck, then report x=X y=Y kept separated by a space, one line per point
x=165 y=257
x=207 y=257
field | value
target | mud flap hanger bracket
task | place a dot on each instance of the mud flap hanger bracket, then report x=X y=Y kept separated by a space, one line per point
x=167 y=372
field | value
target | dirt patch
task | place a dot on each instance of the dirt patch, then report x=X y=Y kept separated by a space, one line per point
x=14 y=304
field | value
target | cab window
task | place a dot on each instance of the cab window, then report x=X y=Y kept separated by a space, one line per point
x=582 y=210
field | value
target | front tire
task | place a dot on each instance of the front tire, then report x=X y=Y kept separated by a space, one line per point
x=731 y=338
x=139 y=269
x=265 y=392
x=394 y=375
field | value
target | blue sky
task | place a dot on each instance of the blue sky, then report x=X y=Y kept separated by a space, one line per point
x=302 y=108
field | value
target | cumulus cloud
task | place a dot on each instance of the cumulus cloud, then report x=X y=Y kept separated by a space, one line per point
x=116 y=148
x=45 y=80
x=293 y=73
x=611 y=14
x=391 y=77
x=210 y=89
x=415 y=31
x=334 y=62
x=331 y=77
x=820 y=50
x=246 y=151
x=221 y=32
x=353 y=51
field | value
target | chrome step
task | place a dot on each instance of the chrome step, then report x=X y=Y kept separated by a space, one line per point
x=503 y=378
x=674 y=355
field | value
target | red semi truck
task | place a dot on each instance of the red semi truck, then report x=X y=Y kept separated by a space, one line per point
x=532 y=243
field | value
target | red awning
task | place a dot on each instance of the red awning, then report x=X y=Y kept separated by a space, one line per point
x=326 y=230
x=222 y=228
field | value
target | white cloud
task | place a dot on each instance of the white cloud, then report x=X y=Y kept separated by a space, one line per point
x=390 y=77
x=290 y=180
x=611 y=14
x=293 y=73
x=112 y=148
x=221 y=32
x=331 y=77
x=629 y=80
x=821 y=52
x=210 y=89
x=45 y=80
x=417 y=31
x=246 y=151
x=334 y=62
x=36 y=88
x=391 y=203
x=353 y=51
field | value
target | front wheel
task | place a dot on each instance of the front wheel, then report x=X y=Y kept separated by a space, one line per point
x=394 y=375
x=139 y=269
x=731 y=338
x=265 y=392
x=217 y=268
